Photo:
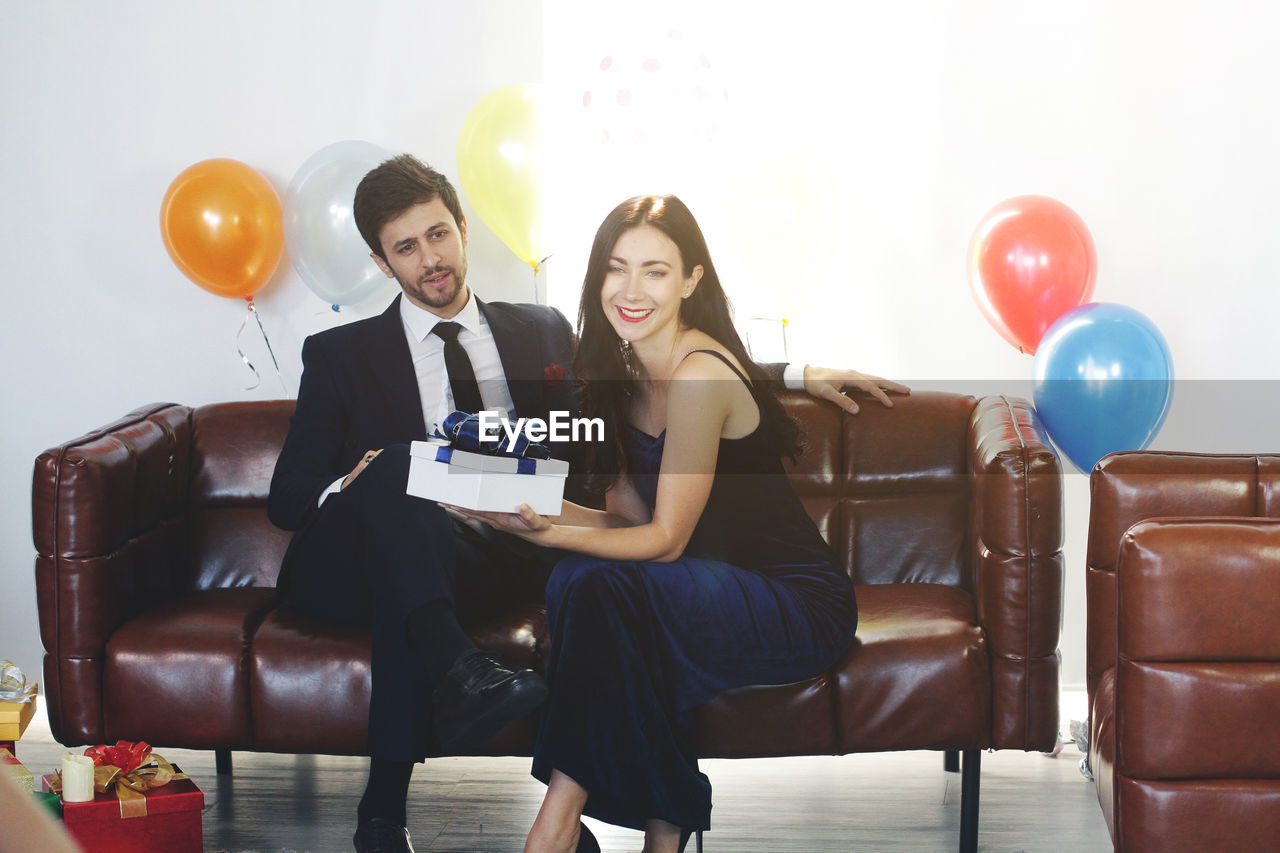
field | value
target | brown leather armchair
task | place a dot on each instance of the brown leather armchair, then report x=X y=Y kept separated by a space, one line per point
x=156 y=565
x=1183 y=650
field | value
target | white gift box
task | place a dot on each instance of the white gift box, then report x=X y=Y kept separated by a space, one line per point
x=482 y=482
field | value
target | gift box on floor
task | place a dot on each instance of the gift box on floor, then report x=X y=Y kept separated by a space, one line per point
x=13 y=768
x=476 y=474
x=17 y=702
x=167 y=820
x=14 y=717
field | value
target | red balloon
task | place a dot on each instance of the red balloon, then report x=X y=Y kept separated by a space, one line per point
x=1031 y=260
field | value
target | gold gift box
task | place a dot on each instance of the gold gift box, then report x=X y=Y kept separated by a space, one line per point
x=14 y=717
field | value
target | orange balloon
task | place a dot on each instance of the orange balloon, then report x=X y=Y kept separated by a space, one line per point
x=223 y=226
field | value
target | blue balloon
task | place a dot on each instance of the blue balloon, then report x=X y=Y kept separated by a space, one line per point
x=1103 y=381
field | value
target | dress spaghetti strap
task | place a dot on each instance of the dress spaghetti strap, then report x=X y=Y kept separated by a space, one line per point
x=726 y=360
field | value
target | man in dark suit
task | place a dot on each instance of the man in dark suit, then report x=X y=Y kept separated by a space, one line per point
x=365 y=553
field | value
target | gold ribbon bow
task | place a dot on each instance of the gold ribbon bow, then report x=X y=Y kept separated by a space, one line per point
x=131 y=788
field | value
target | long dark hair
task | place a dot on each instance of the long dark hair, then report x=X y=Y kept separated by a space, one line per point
x=603 y=363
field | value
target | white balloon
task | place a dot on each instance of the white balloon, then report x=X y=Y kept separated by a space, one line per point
x=319 y=229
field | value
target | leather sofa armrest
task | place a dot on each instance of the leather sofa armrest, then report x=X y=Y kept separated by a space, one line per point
x=1199 y=589
x=109 y=524
x=1197 y=683
x=1018 y=568
x=1126 y=488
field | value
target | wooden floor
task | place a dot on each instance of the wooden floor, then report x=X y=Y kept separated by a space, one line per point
x=884 y=802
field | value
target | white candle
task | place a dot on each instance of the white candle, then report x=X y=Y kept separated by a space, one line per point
x=77 y=778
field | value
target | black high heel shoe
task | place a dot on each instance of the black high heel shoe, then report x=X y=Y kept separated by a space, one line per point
x=684 y=839
x=586 y=841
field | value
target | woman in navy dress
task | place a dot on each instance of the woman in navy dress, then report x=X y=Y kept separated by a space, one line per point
x=702 y=573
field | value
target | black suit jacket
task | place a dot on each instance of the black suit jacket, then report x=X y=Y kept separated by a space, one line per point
x=359 y=393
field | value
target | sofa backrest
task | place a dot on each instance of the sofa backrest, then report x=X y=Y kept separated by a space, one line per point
x=234 y=450
x=890 y=489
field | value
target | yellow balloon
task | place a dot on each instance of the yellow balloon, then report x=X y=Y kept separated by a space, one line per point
x=500 y=166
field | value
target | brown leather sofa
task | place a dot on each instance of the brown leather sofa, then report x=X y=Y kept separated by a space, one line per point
x=156 y=563
x=1184 y=650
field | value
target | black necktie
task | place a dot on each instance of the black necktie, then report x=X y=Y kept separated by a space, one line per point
x=462 y=378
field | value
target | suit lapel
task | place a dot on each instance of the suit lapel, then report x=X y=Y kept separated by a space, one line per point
x=520 y=350
x=392 y=367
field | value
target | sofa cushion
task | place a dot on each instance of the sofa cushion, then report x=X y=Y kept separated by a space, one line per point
x=919 y=538
x=236 y=445
x=310 y=685
x=234 y=546
x=916 y=677
x=1195 y=815
x=310 y=681
x=767 y=721
x=178 y=675
x=918 y=674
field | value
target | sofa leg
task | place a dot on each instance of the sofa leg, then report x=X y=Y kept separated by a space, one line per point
x=951 y=761
x=222 y=761
x=969 y=800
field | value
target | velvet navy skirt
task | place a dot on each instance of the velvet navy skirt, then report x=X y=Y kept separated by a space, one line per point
x=635 y=647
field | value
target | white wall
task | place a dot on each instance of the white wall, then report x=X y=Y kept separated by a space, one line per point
x=103 y=105
x=893 y=127
x=898 y=124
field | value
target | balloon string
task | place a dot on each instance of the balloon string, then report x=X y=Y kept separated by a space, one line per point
x=253 y=311
x=257 y=380
x=257 y=315
x=537 y=268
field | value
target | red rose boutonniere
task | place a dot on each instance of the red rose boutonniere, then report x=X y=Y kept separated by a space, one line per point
x=553 y=373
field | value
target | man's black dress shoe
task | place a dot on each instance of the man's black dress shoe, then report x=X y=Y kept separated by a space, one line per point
x=379 y=835
x=479 y=697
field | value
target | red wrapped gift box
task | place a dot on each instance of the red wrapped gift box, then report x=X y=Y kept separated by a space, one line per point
x=171 y=825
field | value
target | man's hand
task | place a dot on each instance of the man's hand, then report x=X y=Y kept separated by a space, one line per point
x=371 y=454
x=524 y=522
x=827 y=383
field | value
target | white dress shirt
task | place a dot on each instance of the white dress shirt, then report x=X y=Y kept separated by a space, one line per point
x=428 y=360
x=428 y=365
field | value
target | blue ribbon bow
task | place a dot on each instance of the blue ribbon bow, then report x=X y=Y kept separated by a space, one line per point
x=462 y=430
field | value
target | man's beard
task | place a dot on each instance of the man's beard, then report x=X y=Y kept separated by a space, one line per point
x=435 y=297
